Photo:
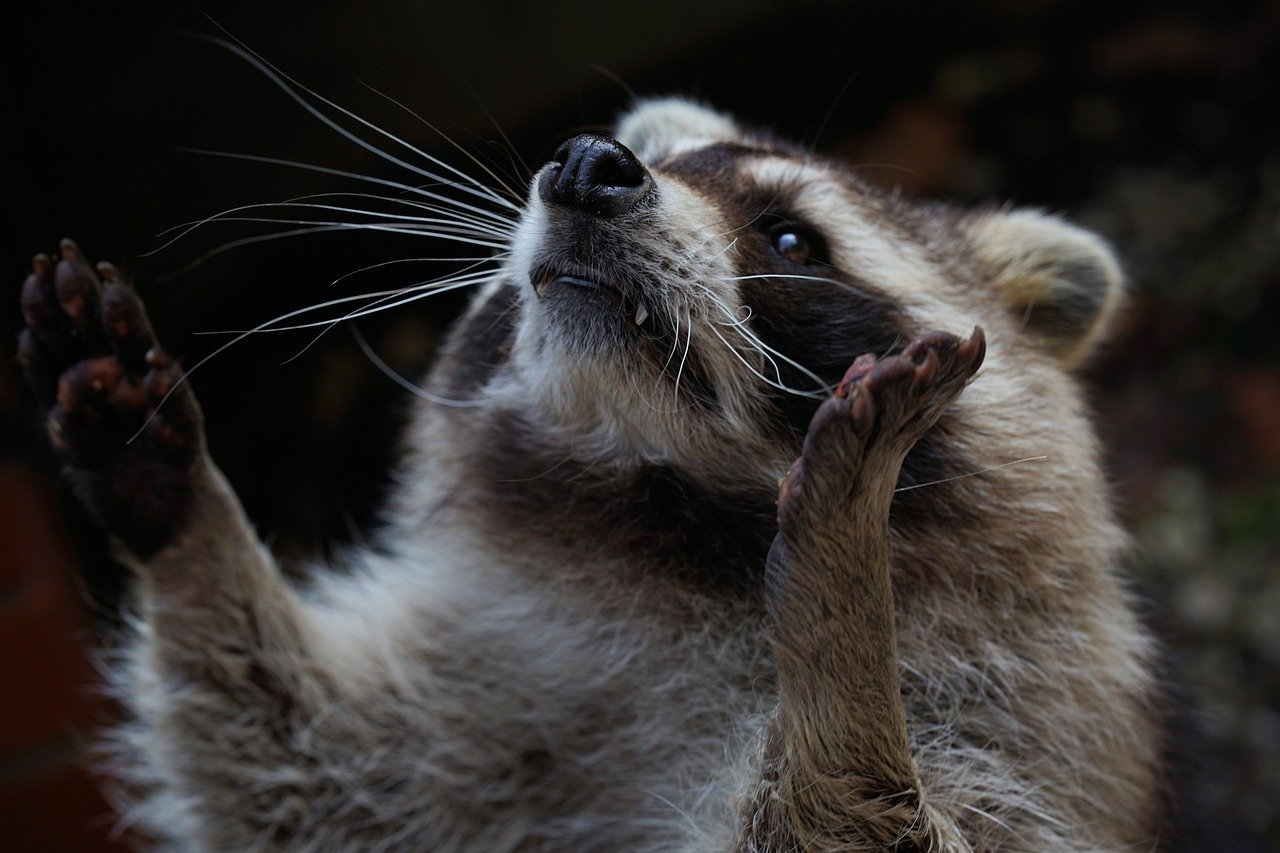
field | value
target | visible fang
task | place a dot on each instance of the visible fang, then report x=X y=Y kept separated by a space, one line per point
x=541 y=287
x=642 y=314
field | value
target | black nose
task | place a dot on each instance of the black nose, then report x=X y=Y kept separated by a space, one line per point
x=597 y=175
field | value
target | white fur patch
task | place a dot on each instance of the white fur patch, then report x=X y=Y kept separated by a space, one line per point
x=657 y=128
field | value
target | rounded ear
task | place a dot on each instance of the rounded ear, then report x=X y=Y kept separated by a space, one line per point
x=654 y=127
x=1064 y=283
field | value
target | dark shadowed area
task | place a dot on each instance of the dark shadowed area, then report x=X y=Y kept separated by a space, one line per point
x=1152 y=123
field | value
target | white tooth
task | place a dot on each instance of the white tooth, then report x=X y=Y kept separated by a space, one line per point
x=642 y=314
x=542 y=286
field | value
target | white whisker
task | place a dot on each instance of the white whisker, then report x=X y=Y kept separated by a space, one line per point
x=411 y=387
x=970 y=474
x=457 y=221
x=684 y=358
x=843 y=285
x=379 y=305
x=675 y=343
x=433 y=286
x=443 y=233
x=279 y=235
x=516 y=196
x=497 y=219
x=754 y=340
x=370 y=267
x=237 y=339
x=472 y=187
x=246 y=241
x=746 y=308
x=763 y=378
x=454 y=217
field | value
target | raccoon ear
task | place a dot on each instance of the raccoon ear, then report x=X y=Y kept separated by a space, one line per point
x=654 y=126
x=1064 y=283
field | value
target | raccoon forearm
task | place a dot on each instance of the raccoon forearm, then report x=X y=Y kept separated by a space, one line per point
x=839 y=696
x=837 y=771
x=218 y=610
x=226 y=685
x=837 y=768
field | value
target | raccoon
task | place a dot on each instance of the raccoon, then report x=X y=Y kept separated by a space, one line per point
x=707 y=536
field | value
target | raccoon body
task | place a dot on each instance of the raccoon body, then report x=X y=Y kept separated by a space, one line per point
x=592 y=621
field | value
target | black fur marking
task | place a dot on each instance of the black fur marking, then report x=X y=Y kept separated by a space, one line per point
x=1067 y=315
x=654 y=515
x=823 y=325
x=714 y=164
x=482 y=344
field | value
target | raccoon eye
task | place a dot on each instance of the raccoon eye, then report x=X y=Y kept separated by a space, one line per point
x=796 y=244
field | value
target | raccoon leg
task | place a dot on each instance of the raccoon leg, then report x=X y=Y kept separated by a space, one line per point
x=837 y=771
x=225 y=673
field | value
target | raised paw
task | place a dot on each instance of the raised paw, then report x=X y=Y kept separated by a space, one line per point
x=881 y=407
x=92 y=360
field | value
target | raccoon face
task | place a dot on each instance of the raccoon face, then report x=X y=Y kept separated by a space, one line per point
x=689 y=282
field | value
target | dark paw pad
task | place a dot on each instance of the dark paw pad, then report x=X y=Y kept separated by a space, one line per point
x=91 y=357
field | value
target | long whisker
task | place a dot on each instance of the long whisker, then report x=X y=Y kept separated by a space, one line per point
x=384 y=303
x=443 y=233
x=455 y=218
x=843 y=285
x=247 y=241
x=496 y=218
x=401 y=227
x=224 y=347
x=488 y=171
x=675 y=343
x=472 y=186
x=399 y=200
x=378 y=305
x=364 y=269
x=684 y=358
x=970 y=474
x=755 y=341
x=394 y=376
x=280 y=235
x=762 y=377
x=737 y=322
x=375 y=298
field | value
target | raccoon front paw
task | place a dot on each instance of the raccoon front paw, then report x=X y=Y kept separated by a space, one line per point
x=91 y=357
x=879 y=410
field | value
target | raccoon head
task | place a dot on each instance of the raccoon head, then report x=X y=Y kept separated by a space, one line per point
x=688 y=286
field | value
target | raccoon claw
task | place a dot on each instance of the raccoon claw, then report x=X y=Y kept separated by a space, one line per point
x=91 y=357
x=881 y=402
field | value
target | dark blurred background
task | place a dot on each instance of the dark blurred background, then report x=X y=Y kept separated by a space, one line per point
x=1154 y=123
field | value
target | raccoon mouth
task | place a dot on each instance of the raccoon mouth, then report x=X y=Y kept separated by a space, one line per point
x=550 y=280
